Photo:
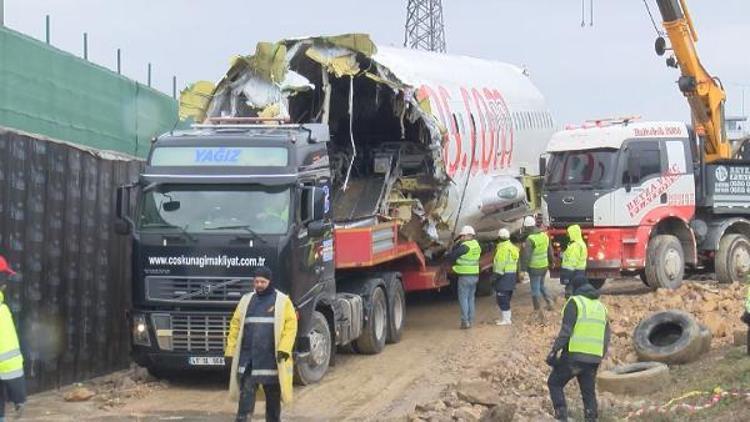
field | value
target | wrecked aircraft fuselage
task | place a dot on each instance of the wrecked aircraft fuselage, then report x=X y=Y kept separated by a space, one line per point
x=432 y=140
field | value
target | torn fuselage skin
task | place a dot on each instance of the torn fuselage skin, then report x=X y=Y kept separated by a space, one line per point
x=385 y=150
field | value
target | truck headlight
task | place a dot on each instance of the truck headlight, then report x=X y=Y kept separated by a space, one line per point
x=163 y=327
x=140 y=331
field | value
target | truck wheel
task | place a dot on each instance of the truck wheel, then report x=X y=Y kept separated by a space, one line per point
x=396 y=312
x=311 y=370
x=665 y=262
x=732 y=260
x=597 y=283
x=484 y=286
x=375 y=331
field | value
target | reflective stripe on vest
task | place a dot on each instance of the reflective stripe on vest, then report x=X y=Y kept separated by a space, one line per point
x=11 y=360
x=588 y=332
x=540 y=245
x=468 y=263
x=506 y=258
x=574 y=257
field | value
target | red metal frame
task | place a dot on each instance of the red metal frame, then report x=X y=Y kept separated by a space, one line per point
x=354 y=249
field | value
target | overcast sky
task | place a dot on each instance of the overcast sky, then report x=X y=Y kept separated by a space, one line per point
x=606 y=70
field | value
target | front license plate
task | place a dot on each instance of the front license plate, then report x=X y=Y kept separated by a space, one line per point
x=206 y=361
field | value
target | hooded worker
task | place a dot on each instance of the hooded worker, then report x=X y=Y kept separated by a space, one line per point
x=259 y=348
x=573 y=258
x=465 y=255
x=12 y=379
x=579 y=348
x=505 y=269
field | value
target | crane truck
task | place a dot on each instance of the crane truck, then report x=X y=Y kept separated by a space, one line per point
x=345 y=170
x=655 y=199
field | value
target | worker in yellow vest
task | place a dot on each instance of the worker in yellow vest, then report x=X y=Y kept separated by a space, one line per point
x=535 y=260
x=12 y=380
x=746 y=318
x=579 y=349
x=505 y=269
x=465 y=255
x=573 y=258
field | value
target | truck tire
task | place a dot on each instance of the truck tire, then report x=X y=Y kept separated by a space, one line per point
x=484 y=286
x=668 y=337
x=396 y=311
x=597 y=283
x=311 y=369
x=732 y=260
x=665 y=262
x=375 y=331
x=634 y=379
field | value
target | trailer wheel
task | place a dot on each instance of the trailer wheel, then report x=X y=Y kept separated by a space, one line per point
x=732 y=261
x=311 y=370
x=665 y=262
x=396 y=312
x=375 y=331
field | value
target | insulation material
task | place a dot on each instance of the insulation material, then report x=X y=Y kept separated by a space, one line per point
x=194 y=99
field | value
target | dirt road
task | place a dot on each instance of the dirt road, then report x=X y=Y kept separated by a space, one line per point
x=433 y=353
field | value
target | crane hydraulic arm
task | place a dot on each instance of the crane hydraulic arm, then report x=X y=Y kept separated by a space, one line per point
x=704 y=93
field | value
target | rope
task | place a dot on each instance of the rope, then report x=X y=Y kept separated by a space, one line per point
x=351 y=131
x=651 y=16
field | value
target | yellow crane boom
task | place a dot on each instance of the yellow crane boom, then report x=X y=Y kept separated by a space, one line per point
x=704 y=93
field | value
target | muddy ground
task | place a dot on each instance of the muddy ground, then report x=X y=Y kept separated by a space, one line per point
x=415 y=379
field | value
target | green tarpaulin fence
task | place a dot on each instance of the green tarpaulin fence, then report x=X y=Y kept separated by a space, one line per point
x=47 y=91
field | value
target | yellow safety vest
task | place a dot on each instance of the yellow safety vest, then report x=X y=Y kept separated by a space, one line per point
x=540 y=245
x=747 y=301
x=574 y=257
x=468 y=263
x=506 y=258
x=591 y=324
x=11 y=360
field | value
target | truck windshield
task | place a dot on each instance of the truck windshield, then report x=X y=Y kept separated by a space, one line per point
x=208 y=209
x=590 y=168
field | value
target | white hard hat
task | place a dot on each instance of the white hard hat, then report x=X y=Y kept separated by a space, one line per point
x=504 y=234
x=529 y=221
x=467 y=231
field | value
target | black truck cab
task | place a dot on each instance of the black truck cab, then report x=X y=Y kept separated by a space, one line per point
x=212 y=204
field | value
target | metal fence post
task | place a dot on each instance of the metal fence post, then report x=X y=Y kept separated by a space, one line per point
x=46 y=29
x=174 y=87
x=149 y=74
x=2 y=12
x=85 y=46
x=119 y=61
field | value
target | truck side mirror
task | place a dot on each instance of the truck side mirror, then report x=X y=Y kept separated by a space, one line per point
x=123 y=224
x=317 y=228
x=314 y=202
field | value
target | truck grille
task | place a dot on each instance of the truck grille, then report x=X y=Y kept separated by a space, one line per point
x=200 y=332
x=196 y=289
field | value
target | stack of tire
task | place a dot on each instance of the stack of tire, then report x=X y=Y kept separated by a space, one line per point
x=669 y=337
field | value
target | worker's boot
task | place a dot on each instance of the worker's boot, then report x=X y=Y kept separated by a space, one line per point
x=561 y=414
x=504 y=318
x=538 y=313
x=590 y=415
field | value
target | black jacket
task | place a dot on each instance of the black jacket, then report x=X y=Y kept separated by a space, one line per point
x=570 y=316
x=458 y=249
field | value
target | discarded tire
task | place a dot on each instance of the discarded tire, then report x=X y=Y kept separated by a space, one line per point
x=634 y=379
x=668 y=337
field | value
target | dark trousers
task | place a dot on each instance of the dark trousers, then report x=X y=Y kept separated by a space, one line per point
x=503 y=299
x=12 y=390
x=246 y=406
x=562 y=373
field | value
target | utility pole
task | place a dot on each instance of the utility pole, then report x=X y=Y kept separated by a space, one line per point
x=425 y=29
